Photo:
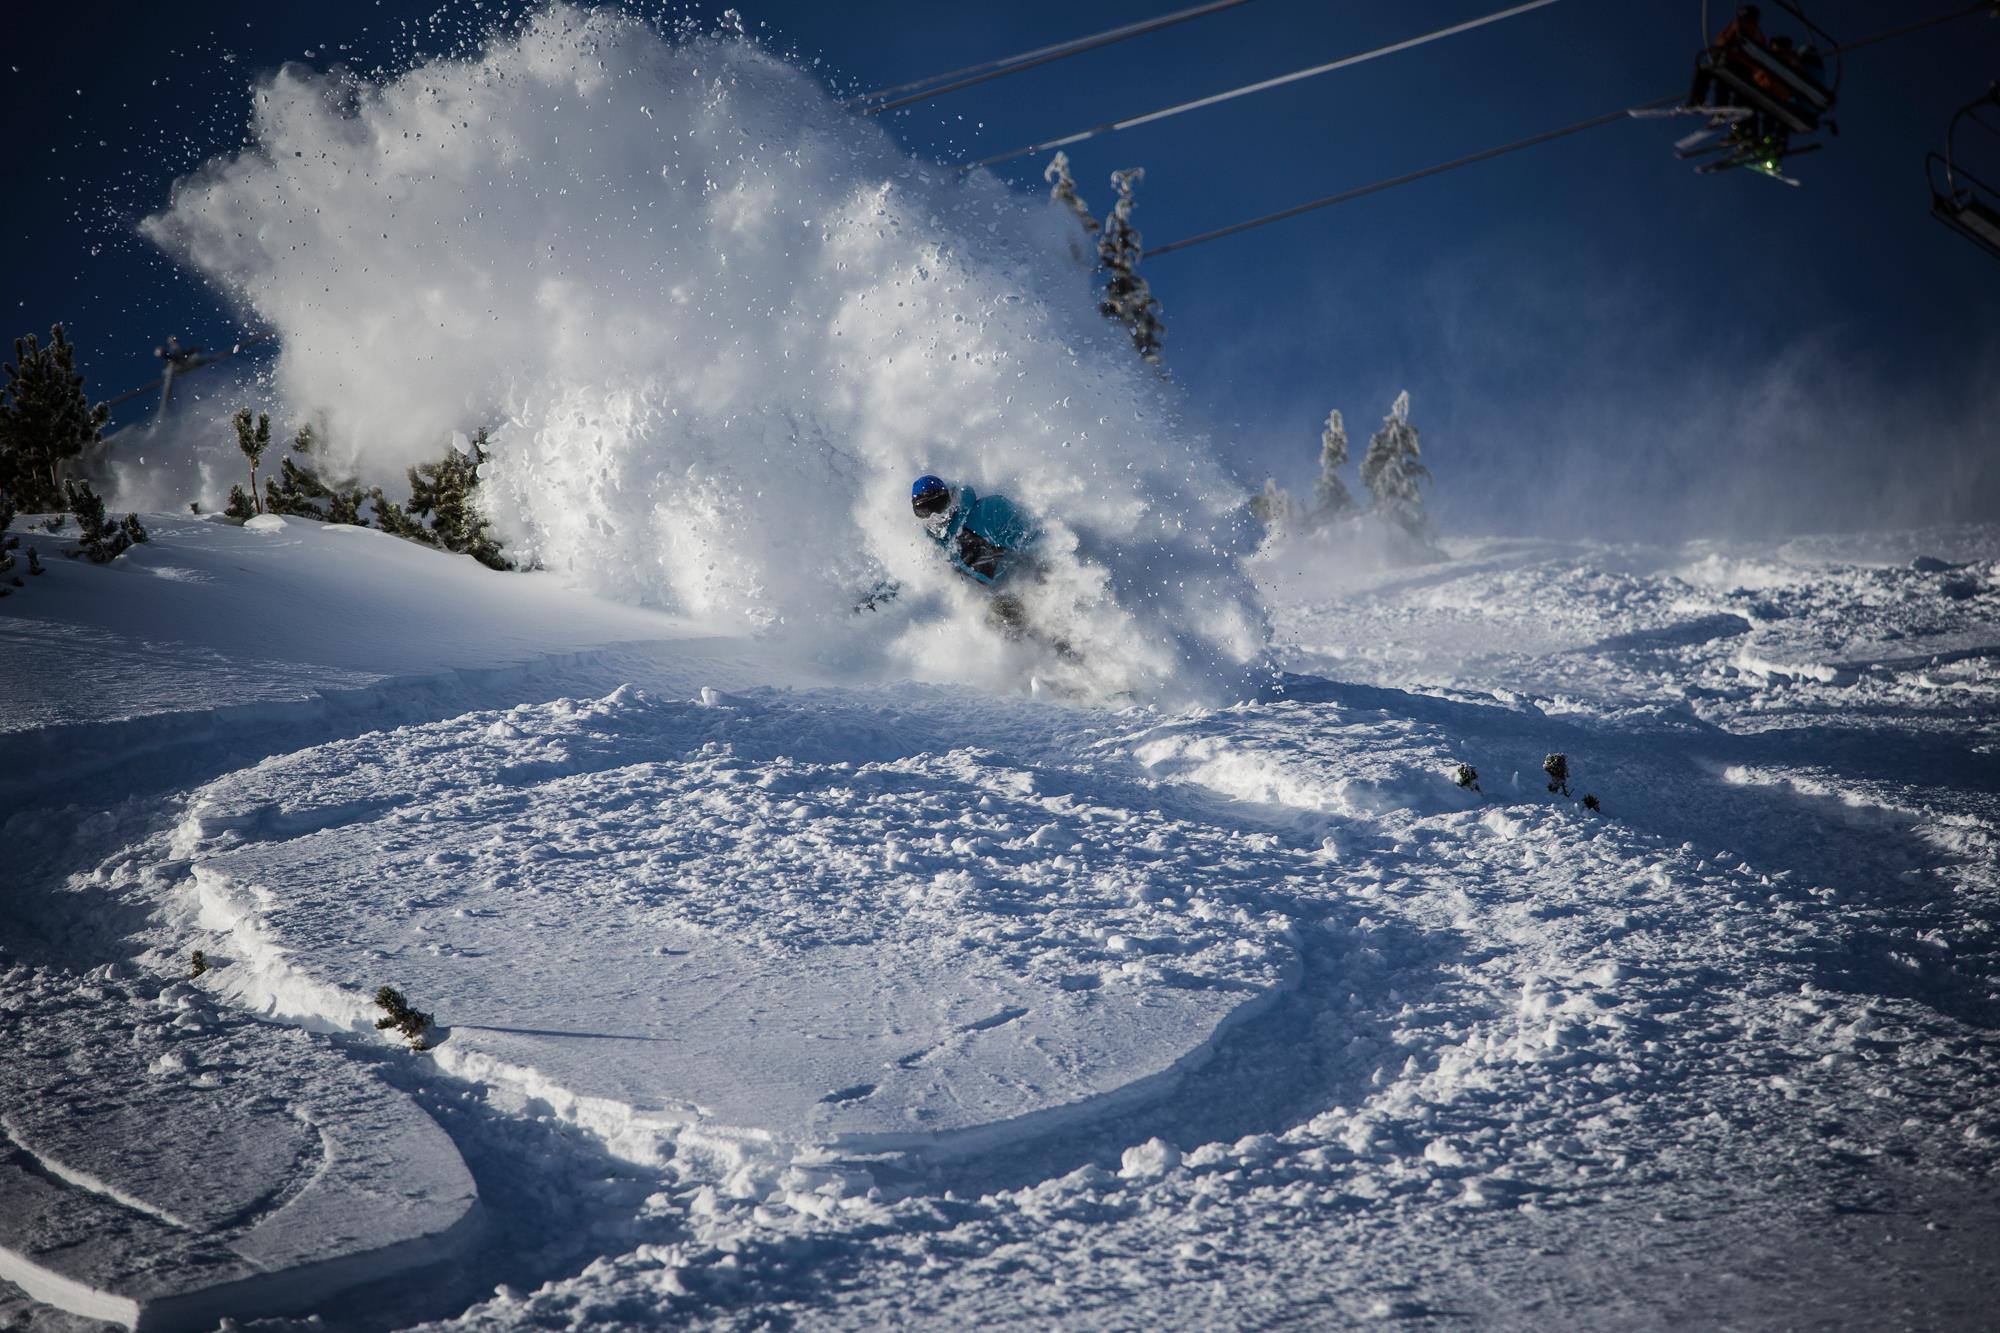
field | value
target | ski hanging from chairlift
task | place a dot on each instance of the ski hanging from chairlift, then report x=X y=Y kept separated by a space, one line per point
x=1764 y=95
x=1959 y=199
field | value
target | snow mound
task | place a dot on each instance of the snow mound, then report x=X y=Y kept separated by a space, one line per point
x=718 y=324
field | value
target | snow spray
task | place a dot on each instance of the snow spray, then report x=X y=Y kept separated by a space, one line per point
x=716 y=324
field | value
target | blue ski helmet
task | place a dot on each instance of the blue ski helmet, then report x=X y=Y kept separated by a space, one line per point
x=929 y=495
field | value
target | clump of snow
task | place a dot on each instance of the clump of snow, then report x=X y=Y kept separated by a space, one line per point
x=718 y=324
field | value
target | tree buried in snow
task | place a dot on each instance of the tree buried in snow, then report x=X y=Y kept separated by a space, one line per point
x=1557 y=767
x=397 y=1014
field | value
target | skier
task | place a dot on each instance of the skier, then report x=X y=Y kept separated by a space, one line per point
x=985 y=537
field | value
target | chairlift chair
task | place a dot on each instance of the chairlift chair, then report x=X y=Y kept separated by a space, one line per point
x=1803 y=109
x=1959 y=199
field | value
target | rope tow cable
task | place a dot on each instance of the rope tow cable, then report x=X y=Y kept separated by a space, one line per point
x=1231 y=94
x=939 y=84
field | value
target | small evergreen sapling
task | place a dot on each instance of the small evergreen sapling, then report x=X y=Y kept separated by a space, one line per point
x=45 y=420
x=397 y=1014
x=1127 y=298
x=1467 y=776
x=1393 y=475
x=100 y=541
x=1590 y=803
x=253 y=443
x=1557 y=767
x=197 y=964
x=35 y=565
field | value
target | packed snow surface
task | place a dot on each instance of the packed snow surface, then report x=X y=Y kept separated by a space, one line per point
x=770 y=989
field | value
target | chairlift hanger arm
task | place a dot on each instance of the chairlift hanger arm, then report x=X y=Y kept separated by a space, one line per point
x=186 y=361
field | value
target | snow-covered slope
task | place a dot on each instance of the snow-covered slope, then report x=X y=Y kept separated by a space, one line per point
x=716 y=344
x=771 y=987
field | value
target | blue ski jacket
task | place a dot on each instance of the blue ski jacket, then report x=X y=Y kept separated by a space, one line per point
x=982 y=536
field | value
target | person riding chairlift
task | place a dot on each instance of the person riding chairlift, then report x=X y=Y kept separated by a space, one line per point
x=1746 y=29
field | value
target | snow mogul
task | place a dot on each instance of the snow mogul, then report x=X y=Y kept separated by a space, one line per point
x=987 y=538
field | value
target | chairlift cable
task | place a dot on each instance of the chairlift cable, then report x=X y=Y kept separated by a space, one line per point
x=939 y=84
x=1519 y=144
x=1984 y=6
x=1263 y=85
x=1623 y=113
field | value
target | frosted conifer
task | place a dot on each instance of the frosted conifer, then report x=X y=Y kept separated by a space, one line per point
x=44 y=420
x=1332 y=500
x=1127 y=298
x=1392 y=473
x=1062 y=190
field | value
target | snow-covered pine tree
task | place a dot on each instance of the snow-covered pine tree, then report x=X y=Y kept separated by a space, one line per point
x=253 y=443
x=1392 y=473
x=1127 y=298
x=100 y=540
x=1331 y=498
x=45 y=420
x=1062 y=190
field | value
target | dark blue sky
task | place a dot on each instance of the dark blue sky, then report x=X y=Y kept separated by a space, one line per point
x=1582 y=321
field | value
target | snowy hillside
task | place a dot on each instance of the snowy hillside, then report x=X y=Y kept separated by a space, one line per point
x=769 y=985
x=799 y=945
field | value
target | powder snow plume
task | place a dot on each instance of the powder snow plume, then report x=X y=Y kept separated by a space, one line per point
x=716 y=325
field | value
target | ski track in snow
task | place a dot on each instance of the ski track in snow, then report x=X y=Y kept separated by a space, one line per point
x=1444 y=1057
